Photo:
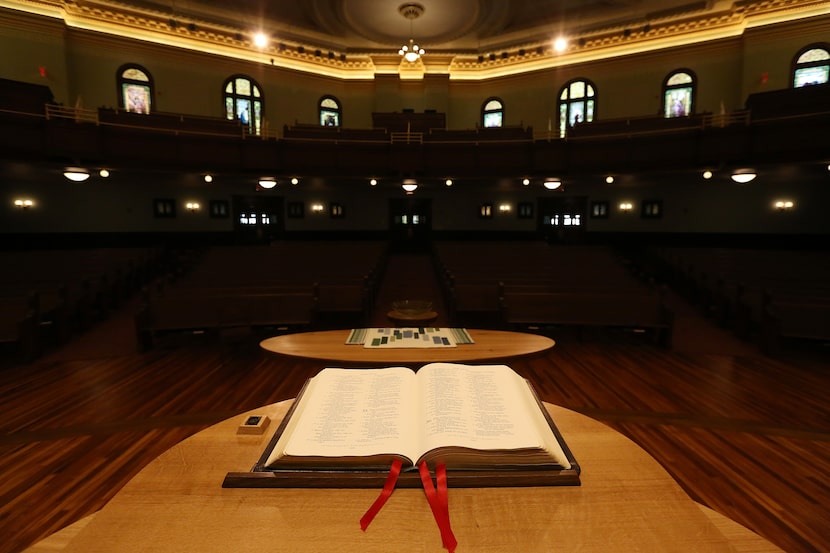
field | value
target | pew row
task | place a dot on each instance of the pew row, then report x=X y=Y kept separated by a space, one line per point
x=581 y=309
x=801 y=319
x=19 y=327
x=205 y=311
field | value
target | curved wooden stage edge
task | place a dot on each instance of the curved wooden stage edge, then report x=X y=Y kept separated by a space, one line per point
x=330 y=345
x=627 y=502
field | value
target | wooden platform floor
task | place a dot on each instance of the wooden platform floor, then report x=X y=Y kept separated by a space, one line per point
x=746 y=435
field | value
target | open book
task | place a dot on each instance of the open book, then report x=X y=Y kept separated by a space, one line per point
x=469 y=417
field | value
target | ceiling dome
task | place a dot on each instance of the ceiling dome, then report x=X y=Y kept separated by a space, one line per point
x=441 y=24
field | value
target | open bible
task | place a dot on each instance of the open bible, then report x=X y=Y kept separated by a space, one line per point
x=484 y=422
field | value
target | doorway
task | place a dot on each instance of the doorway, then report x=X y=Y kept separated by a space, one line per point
x=562 y=220
x=258 y=219
x=410 y=224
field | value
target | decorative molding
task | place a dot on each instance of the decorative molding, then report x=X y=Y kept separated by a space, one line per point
x=679 y=27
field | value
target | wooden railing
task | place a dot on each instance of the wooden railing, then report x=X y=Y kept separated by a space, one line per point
x=406 y=137
x=79 y=115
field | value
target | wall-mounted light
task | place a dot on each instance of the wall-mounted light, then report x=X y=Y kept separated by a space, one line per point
x=784 y=205
x=526 y=182
x=504 y=208
x=260 y=40
x=707 y=174
x=448 y=182
x=609 y=179
x=76 y=174
x=560 y=44
x=24 y=203
x=553 y=184
x=267 y=182
x=192 y=206
x=295 y=181
x=409 y=185
x=104 y=173
x=743 y=176
x=208 y=178
x=373 y=182
x=626 y=206
x=317 y=208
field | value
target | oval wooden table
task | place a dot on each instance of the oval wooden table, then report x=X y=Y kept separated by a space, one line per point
x=330 y=345
x=627 y=502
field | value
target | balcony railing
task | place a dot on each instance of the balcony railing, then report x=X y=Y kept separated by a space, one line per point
x=77 y=114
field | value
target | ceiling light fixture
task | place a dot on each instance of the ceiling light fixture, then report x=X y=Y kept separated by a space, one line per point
x=267 y=183
x=411 y=52
x=743 y=176
x=409 y=185
x=552 y=184
x=260 y=40
x=76 y=174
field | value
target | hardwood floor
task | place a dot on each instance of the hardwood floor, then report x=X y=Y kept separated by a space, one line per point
x=747 y=435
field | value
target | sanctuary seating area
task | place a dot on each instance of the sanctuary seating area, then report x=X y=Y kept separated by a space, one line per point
x=285 y=286
x=47 y=296
x=763 y=295
x=535 y=286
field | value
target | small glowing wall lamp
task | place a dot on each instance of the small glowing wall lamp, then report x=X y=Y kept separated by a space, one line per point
x=23 y=203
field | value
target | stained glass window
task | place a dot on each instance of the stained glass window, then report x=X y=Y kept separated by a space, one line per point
x=812 y=66
x=492 y=113
x=577 y=104
x=135 y=89
x=243 y=102
x=329 y=112
x=678 y=94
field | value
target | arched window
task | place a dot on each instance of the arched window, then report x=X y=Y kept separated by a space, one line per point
x=243 y=102
x=577 y=104
x=679 y=93
x=492 y=113
x=330 y=115
x=135 y=89
x=812 y=66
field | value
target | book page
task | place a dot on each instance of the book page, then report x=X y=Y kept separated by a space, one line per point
x=357 y=412
x=486 y=407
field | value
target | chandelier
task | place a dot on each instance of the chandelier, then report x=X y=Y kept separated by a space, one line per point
x=412 y=11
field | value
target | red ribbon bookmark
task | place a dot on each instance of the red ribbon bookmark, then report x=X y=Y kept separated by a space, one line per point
x=437 y=497
x=439 y=502
x=388 y=488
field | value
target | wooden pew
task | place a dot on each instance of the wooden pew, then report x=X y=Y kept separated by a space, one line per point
x=207 y=311
x=640 y=312
x=802 y=320
x=19 y=327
